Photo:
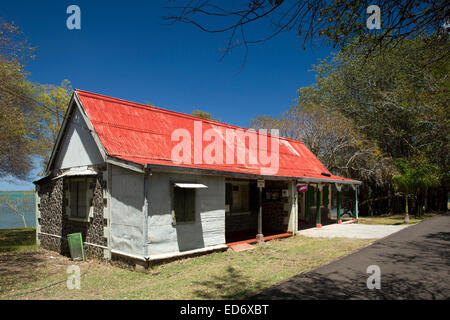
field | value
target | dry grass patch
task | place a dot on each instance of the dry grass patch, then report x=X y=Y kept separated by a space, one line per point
x=220 y=275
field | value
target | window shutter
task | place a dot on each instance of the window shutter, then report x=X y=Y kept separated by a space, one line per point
x=179 y=203
x=183 y=205
x=189 y=203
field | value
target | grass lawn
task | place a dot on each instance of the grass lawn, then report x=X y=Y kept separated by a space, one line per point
x=393 y=219
x=220 y=275
x=13 y=240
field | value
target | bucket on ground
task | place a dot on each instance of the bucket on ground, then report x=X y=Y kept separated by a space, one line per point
x=76 y=246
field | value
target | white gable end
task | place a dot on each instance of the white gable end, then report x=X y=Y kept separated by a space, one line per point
x=78 y=148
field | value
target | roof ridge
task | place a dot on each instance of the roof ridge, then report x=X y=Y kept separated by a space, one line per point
x=175 y=113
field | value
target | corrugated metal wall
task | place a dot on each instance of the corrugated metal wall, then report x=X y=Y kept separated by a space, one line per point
x=127 y=220
x=209 y=226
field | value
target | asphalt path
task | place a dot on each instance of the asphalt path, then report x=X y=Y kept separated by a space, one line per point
x=413 y=263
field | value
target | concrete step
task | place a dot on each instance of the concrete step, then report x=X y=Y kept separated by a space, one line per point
x=241 y=247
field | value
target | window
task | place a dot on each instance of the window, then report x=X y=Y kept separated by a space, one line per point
x=79 y=198
x=184 y=204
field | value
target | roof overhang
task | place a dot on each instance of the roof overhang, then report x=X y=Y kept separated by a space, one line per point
x=167 y=168
x=77 y=172
x=74 y=103
x=190 y=185
x=337 y=181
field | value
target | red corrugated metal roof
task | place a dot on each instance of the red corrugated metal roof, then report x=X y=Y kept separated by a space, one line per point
x=142 y=134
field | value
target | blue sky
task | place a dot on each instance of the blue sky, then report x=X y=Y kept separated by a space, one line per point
x=124 y=50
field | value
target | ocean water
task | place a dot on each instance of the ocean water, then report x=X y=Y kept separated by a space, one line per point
x=24 y=202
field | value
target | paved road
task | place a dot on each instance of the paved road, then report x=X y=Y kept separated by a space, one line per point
x=352 y=230
x=414 y=264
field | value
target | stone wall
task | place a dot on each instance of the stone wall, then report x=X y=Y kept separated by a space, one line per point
x=275 y=217
x=55 y=225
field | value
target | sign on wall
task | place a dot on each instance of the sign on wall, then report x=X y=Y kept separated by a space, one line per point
x=302 y=187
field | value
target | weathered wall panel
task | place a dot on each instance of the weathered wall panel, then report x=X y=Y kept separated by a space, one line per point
x=209 y=226
x=127 y=220
x=78 y=147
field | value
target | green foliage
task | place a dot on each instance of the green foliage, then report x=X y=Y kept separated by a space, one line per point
x=30 y=114
x=53 y=103
x=398 y=98
x=204 y=115
x=415 y=174
x=16 y=105
x=366 y=111
x=334 y=139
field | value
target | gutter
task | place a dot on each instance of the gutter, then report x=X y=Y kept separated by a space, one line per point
x=176 y=168
x=318 y=180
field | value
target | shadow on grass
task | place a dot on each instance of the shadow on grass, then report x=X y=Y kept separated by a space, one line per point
x=19 y=269
x=230 y=285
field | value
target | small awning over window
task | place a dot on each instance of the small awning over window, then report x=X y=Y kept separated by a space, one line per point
x=77 y=172
x=190 y=185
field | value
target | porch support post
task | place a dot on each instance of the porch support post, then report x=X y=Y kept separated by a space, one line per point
x=307 y=204
x=355 y=203
x=293 y=207
x=319 y=204
x=260 y=236
x=338 y=202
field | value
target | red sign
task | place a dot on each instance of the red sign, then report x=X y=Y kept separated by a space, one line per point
x=302 y=188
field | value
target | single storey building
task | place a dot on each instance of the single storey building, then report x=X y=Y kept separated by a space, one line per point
x=125 y=176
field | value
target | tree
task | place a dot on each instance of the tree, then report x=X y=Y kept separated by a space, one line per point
x=202 y=114
x=333 y=139
x=413 y=176
x=16 y=104
x=364 y=112
x=54 y=101
x=395 y=98
x=30 y=114
x=334 y=21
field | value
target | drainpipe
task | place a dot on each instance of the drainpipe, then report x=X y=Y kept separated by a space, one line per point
x=319 y=205
x=147 y=174
x=260 y=235
x=355 y=203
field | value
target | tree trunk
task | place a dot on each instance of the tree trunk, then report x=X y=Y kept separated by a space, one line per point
x=406 y=209
x=389 y=201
